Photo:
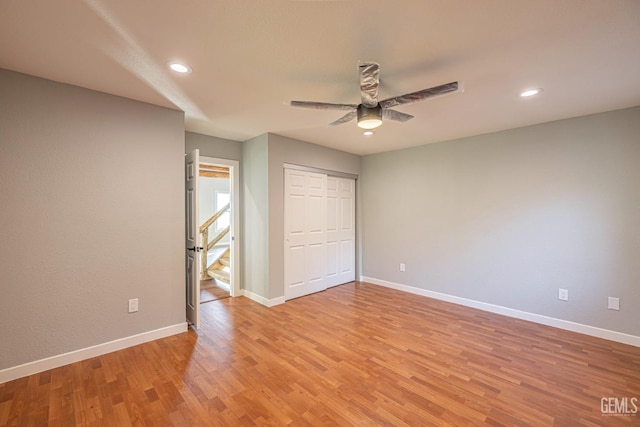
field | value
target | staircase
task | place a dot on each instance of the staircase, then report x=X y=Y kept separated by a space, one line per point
x=219 y=267
x=215 y=258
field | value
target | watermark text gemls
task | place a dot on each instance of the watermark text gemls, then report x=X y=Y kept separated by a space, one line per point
x=619 y=406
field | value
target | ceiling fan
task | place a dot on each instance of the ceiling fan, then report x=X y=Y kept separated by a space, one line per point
x=370 y=111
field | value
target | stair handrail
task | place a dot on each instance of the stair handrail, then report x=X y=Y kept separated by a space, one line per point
x=214 y=217
x=218 y=237
x=204 y=231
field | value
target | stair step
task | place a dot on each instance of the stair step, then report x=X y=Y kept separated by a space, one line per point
x=216 y=253
x=225 y=261
x=219 y=275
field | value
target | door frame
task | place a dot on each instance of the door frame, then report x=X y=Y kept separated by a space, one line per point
x=234 y=240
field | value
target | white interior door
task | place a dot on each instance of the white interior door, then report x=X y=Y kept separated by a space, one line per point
x=305 y=233
x=341 y=231
x=192 y=238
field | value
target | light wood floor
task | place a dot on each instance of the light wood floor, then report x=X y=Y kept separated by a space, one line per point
x=357 y=354
x=211 y=291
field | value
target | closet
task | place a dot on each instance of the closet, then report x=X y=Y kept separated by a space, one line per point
x=319 y=224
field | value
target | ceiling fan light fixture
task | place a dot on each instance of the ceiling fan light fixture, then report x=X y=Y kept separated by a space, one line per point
x=370 y=111
x=369 y=118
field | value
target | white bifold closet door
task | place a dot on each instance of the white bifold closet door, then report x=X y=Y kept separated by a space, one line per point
x=319 y=223
x=341 y=230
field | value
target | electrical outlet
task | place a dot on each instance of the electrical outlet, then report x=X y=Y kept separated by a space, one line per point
x=614 y=303
x=563 y=294
x=402 y=267
x=133 y=305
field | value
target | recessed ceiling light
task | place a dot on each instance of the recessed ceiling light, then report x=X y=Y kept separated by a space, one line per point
x=179 y=68
x=530 y=92
x=368 y=132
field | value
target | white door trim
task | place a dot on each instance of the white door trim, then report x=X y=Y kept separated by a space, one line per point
x=318 y=170
x=234 y=241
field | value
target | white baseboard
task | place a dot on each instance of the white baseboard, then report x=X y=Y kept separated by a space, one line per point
x=52 y=362
x=510 y=312
x=262 y=300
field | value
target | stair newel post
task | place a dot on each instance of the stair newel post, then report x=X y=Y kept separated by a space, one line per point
x=203 y=254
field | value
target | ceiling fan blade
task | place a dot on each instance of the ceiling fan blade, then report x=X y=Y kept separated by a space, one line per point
x=323 y=105
x=369 y=81
x=419 y=95
x=344 y=119
x=390 y=114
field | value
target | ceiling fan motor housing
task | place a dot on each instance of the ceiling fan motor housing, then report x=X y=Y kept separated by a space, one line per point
x=369 y=118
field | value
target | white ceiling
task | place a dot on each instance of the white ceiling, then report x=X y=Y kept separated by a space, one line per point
x=251 y=57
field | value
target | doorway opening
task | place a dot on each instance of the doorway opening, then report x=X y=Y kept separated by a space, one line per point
x=214 y=214
x=198 y=231
x=215 y=211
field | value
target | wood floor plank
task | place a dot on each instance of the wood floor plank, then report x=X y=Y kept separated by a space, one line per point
x=356 y=354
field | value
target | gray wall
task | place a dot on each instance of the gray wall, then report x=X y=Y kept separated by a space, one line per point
x=510 y=217
x=211 y=146
x=262 y=197
x=286 y=150
x=255 y=219
x=92 y=214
